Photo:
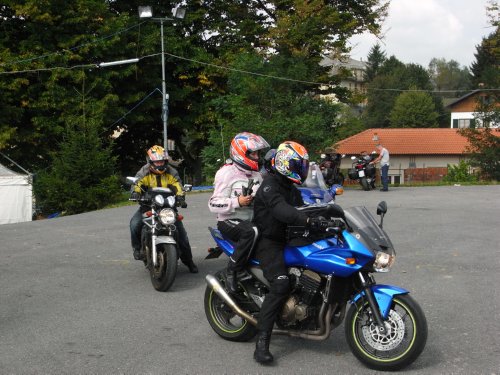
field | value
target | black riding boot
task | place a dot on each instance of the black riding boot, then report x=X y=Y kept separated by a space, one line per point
x=192 y=267
x=262 y=354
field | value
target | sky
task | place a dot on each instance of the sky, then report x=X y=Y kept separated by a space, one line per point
x=418 y=30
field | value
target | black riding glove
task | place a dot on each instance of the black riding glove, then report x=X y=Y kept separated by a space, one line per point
x=181 y=201
x=317 y=223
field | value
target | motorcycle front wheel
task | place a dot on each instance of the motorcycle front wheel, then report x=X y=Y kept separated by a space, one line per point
x=163 y=275
x=223 y=319
x=397 y=348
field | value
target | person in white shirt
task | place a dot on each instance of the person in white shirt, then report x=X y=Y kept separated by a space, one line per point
x=383 y=158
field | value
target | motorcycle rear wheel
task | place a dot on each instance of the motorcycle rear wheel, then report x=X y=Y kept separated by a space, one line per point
x=397 y=348
x=223 y=319
x=364 y=184
x=163 y=275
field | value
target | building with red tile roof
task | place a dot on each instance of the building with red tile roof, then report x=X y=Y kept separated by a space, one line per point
x=427 y=149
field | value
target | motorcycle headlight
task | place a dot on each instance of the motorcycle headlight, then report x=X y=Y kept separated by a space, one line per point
x=171 y=201
x=383 y=261
x=167 y=216
x=159 y=200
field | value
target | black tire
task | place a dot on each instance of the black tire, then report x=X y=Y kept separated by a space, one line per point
x=163 y=275
x=222 y=318
x=364 y=183
x=399 y=347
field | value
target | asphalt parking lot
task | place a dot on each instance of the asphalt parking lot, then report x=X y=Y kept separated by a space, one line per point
x=73 y=300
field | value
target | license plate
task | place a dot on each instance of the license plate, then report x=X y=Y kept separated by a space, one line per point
x=361 y=173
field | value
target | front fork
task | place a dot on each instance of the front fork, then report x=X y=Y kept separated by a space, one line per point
x=153 y=241
x=366 y=286
x=380 y=298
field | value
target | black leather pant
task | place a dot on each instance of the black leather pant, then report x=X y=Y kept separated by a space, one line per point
x=270 y=255
x=244 y=234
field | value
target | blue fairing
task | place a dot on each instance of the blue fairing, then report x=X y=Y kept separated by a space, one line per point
x=313 y=195
x=328 y=256
x=383 y=295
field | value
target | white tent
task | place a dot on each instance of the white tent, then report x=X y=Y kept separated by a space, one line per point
x=16 y=197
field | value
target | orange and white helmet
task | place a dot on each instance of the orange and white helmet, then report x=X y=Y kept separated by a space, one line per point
x=242 y=145
x=292 y=161
x=157 y=159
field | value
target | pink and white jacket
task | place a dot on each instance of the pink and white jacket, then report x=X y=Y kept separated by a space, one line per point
x=229 y=180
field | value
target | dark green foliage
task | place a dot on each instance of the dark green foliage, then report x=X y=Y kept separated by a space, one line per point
x=459 y=173
x=277 y=110
x=414 y=109
x=484 y=148
x=81 y=177
x=375 y=59
x=485 y=70
x=394 y=78
x=449 y=76
x=38 y=106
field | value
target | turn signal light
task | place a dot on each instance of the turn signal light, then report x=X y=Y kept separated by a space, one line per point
x=350 y=261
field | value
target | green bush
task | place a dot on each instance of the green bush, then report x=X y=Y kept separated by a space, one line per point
x=81 y=177
x=459 y=173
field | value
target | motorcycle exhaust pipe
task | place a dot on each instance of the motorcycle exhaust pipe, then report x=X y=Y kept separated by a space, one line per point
x=318 y=335
x=221 y=292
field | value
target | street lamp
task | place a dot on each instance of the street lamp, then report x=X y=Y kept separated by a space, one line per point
x=147 y=12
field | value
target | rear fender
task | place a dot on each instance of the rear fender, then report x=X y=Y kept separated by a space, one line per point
x=384 y=295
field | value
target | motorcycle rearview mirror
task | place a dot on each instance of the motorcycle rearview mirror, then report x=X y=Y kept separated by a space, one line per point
x=381 y=210
x=187 y=187
x=131 y=180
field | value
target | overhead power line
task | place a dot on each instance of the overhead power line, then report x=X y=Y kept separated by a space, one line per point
x=100 y=65
x=20 y=61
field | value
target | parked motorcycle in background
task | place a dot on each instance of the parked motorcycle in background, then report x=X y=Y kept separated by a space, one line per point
x=315 y=190
x=331 y=271
x=363 y=171
x=330 y=168
x=158 y=242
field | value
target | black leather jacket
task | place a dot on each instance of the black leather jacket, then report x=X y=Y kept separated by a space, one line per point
x=274 y=207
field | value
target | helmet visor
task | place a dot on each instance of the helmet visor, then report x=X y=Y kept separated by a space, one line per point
x=300 y=167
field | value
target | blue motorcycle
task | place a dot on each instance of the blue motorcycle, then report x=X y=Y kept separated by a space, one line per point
x=331 y=275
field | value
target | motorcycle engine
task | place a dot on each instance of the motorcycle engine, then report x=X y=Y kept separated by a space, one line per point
x=297 y=307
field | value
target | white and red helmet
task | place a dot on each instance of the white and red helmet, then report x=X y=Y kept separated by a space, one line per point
x=242 y=145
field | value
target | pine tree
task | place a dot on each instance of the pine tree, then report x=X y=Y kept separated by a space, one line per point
x=376 y=58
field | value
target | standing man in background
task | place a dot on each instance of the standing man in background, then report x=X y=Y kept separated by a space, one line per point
x=383 y=158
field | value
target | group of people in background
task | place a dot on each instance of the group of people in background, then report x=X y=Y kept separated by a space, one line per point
x=254 y=218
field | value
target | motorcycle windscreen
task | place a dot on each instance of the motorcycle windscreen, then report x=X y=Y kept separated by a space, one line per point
x=372 y=236
x=315 y=178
